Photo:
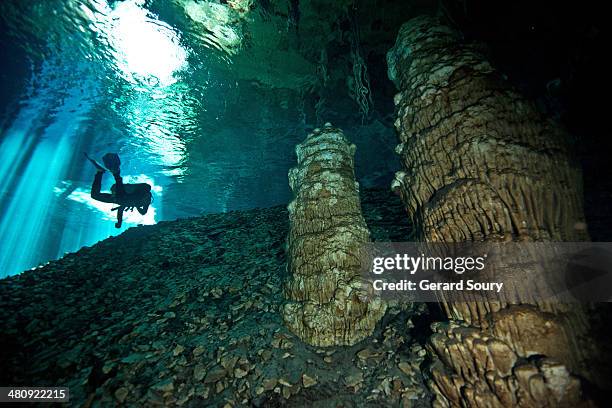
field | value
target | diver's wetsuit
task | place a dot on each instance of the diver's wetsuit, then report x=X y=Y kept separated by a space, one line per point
x=120 y=196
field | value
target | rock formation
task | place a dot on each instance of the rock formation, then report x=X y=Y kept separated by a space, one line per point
x=328 y=301
x=480 y=163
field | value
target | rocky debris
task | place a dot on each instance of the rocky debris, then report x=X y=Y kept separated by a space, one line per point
x=164 y=386
x=308 y=381
x=354 y=379
x=405 y=367
x=121 y=394
x=186 y=313
x=178 y=350
x=199 y=372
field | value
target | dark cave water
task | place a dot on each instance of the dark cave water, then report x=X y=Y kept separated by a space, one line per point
x=161 y=84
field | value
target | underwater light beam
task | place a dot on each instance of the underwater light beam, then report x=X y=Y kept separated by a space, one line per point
x=29 y=203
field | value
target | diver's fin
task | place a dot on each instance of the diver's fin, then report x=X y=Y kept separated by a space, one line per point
x=95 y=163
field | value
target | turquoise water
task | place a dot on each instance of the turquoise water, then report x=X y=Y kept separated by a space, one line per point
x=157 y=83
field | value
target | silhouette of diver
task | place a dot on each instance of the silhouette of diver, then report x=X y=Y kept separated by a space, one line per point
x=127 y=196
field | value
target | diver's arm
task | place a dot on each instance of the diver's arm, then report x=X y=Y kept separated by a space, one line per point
x=95 y=190
x=119 y=216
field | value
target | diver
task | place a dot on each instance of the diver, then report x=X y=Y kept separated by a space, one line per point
x=126 y=196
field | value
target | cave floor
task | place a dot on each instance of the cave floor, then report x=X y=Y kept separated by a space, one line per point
x=186 y=313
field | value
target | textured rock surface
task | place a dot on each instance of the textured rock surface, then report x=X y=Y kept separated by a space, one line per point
x=186 y=313
x=328 y=301
x=473 y=368
x=480 y=163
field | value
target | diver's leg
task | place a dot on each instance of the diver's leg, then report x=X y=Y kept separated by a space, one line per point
x=97 y=186
x=119 y=217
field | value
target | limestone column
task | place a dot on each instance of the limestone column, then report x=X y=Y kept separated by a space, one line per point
x=480 y=163
x=328 y=303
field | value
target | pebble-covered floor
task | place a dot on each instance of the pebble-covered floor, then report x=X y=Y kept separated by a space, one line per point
x=185 y=313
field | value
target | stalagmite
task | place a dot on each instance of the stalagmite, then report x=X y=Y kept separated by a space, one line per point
x=480 y=163
x=329 y=304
